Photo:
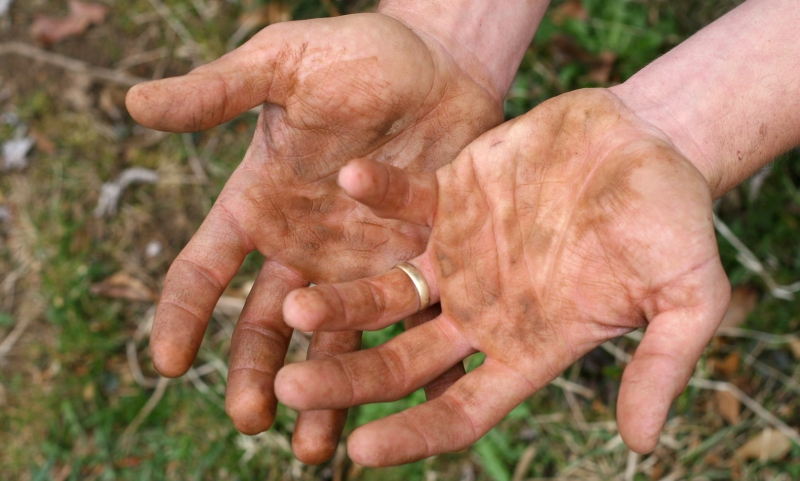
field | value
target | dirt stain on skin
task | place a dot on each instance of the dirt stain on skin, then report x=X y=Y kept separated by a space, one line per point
x=446 y=265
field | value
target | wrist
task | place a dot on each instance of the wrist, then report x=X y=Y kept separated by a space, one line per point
x=674 y=123
x=486 y=39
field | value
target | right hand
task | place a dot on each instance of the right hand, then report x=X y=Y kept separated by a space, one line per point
x=551 y=234
x=359 y=86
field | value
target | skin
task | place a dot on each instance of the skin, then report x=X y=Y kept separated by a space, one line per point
x=551 y=234
x=584 y=219
x=360 y=86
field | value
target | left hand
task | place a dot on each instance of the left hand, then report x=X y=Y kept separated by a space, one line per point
x=551 y=234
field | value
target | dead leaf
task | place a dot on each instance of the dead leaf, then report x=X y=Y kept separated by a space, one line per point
x=43 y=143
x=50 y=30
x=729 y=407
x=602 y=68
x=124 y=286
x=769 y=445
x=743 y=301
x=727 y=366
x=274 y=12
x=569 y=10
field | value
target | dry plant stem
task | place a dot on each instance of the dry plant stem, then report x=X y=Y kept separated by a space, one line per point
x=631 y=466
x=524 y=463
x=573 y=387
x=749 y=260
x=177 y=26
x=756 y=335
x=151 y=404
x=754 y=406
x=757 y=408
x=70 y=64
x=14 y=335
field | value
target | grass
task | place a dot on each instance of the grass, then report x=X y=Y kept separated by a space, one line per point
x=67 y=389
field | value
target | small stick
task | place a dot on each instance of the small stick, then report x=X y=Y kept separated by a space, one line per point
x=754 y=406
x=71 y=64
x=151 y=404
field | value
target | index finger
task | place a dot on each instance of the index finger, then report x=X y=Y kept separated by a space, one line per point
x=193 y=285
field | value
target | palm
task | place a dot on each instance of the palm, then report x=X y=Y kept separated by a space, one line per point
x=386 y=97
x=550 y=235
x=614 y=229
x=333 y=90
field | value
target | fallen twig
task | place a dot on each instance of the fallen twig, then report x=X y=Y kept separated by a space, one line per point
x=71 y=64
x=749 y=260
x=632 y=465
x=754 y=406
x=757 y=335
x=151 y=404
x=573 y=387
x=112 y=191
x=14 y=335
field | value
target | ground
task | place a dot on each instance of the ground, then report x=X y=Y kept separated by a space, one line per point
x=78 y=396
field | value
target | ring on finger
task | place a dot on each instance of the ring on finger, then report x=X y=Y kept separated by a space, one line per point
x=421 y=285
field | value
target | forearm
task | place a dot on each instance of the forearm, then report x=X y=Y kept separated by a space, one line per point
x=487 y=39
x=728 y=97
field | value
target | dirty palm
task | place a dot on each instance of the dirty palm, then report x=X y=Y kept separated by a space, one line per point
x=382 y=93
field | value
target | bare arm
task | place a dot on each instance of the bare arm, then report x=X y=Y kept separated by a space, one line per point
x=487 y=38
x=729 y=97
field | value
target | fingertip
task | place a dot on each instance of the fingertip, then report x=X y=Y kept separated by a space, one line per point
x=292 y=386
x=166 y=363
x=250 y=415
x=312 y=451
x=316 y=435
x=387 y=442
x=304 y=309
x=641 y=441
x=144 y=103
x=363 y=449
x=362 y=179
x=642 y=409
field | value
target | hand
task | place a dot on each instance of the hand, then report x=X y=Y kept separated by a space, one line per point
x=333 y=89
x=551 y=234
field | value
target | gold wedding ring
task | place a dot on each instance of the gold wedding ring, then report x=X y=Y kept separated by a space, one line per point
x=423 y=292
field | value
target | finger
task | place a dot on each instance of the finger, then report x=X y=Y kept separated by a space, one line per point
x=385 y=373
x=471 y=407
x=193 y=285
x=438 y=386
x=221 y=90
x=317 y=433
x=258 y=348
x=366 y=304
x=391 y=192
x=660 y=370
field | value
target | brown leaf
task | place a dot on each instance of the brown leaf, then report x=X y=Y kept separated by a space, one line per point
x=743 y=301
x=569 y=10
x=50 y=30
x=768 y=445
x=727 y=366
x=43 y=143
x=729 y=407
x=602 y=68
x=274 y=12
x=123 y=286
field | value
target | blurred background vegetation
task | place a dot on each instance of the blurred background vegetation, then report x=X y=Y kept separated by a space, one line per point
x=78 y=396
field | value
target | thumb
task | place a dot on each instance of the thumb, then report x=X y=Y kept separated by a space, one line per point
x=661 y=368
x=217 y=92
